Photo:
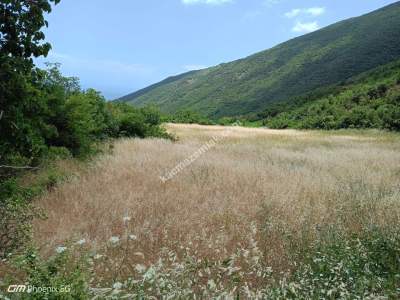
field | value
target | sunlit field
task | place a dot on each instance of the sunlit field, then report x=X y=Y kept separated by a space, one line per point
x=239 y=220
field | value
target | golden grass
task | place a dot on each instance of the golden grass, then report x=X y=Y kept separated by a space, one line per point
x=282 y=182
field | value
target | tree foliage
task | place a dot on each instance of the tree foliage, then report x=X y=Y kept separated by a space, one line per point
x=44 y=114
x=369 y=101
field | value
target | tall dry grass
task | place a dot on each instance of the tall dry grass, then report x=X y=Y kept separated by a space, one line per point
x=253 y=190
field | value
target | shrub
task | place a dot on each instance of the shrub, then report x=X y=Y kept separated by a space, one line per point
x=62 y=276
x=190 y=117
x=362 y=266
x=226 y=121
x=16 y=214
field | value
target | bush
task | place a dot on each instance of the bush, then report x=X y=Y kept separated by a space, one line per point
x=190 y=117
x=57 y=120
x=63 y=276
x=226 y=121
x=362 y=266
x=16 y=215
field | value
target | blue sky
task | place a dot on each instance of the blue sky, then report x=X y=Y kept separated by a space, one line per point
x=120 y=46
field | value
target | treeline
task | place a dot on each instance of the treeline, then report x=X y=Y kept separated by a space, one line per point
x=192 y=117
x=368 y=101
x=57 y=115
x=188 y=117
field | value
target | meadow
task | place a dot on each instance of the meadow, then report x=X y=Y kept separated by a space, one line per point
x=248 y=217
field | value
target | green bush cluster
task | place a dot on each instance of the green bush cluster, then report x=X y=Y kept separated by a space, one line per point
x=58 y=120
x=360 y=266
x=60 y=114
x=189 y=117
x=44 y=115
x=16 y=214
x=64 y=275
x=370 y=102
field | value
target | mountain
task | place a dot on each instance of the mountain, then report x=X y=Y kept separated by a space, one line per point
x=323 y=58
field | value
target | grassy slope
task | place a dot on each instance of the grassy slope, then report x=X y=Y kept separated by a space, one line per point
x=315 y=60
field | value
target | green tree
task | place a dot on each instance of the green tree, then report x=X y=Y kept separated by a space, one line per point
x=21 y=39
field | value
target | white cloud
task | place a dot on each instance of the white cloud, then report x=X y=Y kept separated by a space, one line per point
x=293 y=13
x=194 y=67
x=208 y=2
x=312 y=11
x=316 y=11
x=305 y=27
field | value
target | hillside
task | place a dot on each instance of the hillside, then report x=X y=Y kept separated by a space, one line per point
x=316 y=60
x=369 y=100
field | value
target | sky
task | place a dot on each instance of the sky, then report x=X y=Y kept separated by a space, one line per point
x=120 y=46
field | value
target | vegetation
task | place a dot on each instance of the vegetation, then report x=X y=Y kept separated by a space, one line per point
x=277 y=215
x=189 y=117
x=368 y=101
x=316 y=60
x=44 y=115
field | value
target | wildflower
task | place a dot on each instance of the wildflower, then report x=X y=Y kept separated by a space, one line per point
x=117 y=286
x=114 y=239
x=60 y=249
x=211 y=284
x=126 y=219
x=132 y=237
x=140 y=268
x=81 y=242
x=98 y=256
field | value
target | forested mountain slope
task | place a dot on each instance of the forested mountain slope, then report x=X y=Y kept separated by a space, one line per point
x=369 y=100
x=316 y=60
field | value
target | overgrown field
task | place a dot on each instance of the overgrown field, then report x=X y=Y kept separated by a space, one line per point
x=260 y=213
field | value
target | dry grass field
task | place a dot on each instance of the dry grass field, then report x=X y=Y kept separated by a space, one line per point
x=238 y=210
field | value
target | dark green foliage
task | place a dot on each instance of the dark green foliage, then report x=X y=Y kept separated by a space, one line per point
x=190 y=117
x=66 y=275
x=317 y=60
x=68 y=121
x=16 y=207
x=21 y=104
x=361 y=266
x=44 y=115
x=65 y=116
x=129 y=121
x=16 y=216
x=226 y=121
x=369 y=101
x=21 y=33
x=86 y=120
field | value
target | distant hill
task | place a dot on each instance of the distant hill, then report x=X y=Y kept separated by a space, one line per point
x=313 y=61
